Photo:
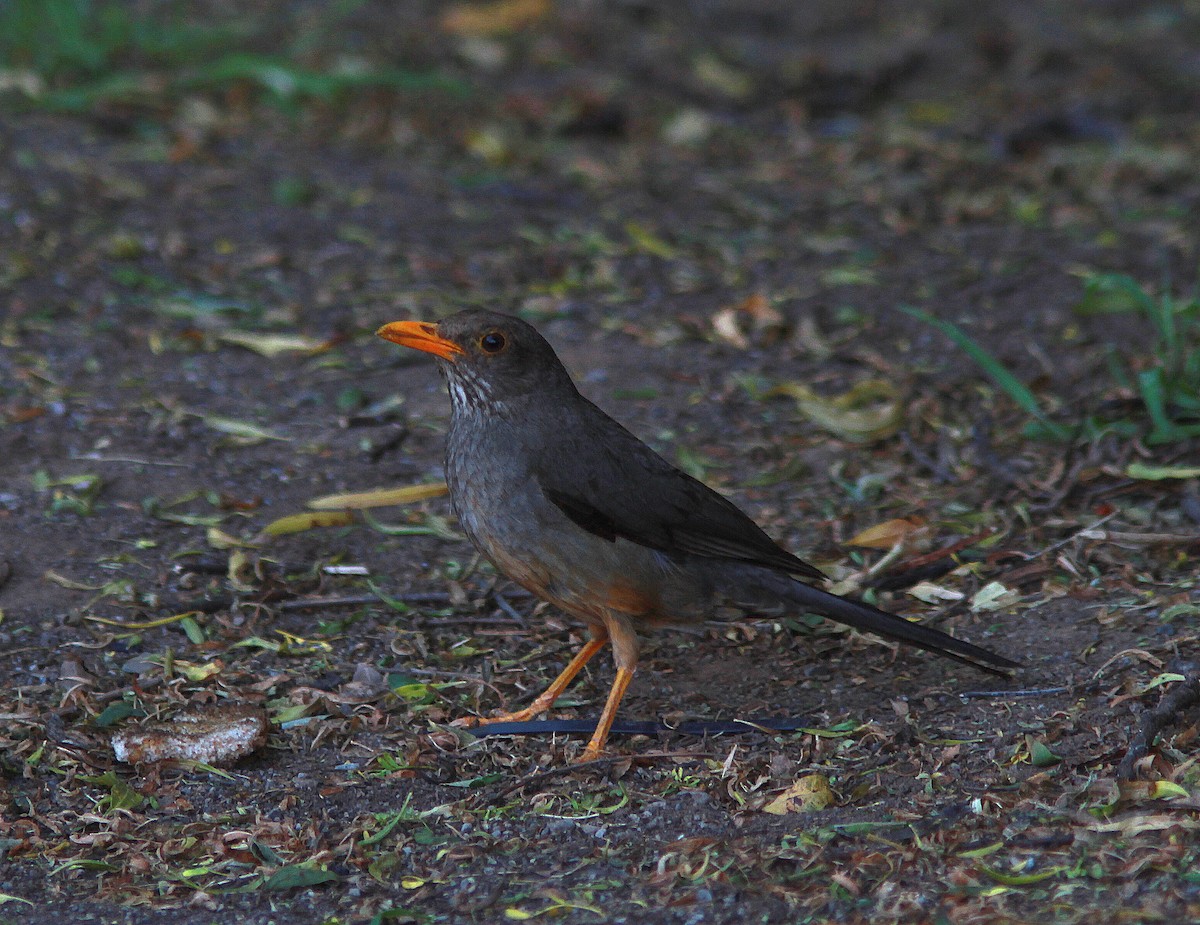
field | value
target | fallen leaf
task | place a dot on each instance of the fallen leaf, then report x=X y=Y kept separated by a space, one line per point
x=298 y=523
x=726 y=80
x=379 y=497
x=994 y=596
x=1134 y=791
x=726 y=327
x=219 y=539
x=754 y=315
x=243 y=431
x=272 y=345
x=806 y=795
x=872 y=410
x=495 y=18
x=930 y=593
x=21 y=414
x=648 y=242
x=1130 y=826
x=887 y=534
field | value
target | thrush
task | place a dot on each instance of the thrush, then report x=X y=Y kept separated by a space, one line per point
x=572 y=506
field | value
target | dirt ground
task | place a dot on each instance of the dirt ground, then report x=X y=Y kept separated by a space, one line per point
x=701 y=205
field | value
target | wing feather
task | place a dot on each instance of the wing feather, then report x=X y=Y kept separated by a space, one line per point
x=610 y=483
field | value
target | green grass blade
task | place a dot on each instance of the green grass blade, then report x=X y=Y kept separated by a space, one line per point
x=1150 y=387
x=996 y=371
x=1113 y=294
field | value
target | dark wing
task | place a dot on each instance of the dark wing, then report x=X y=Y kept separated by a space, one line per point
x=613 y=485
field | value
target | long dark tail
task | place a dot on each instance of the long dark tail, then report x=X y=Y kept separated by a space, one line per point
x=865 y=617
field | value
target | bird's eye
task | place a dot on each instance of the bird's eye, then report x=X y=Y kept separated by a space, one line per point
x=492 y=342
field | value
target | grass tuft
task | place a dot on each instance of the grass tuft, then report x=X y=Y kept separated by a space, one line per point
x=79 y=53
x=1165 y=377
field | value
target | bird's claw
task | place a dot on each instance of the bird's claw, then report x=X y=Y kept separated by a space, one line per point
x=470 y=722
x=590 y=754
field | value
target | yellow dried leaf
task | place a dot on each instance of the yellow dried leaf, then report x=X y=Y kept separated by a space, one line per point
x=242 y=431
x=1167 y=790
x=994 y=596
x=494 y=18
x=887 y=534
x=1137 y=790
x=271 y=345
x=64 y=582
x=194 y=672
x=648 y=242
x=219 y=539
x=872 y=410
x=379 y=497
x=754 y=315
x=1138 y=824
x=806 y=795
x=298 y=523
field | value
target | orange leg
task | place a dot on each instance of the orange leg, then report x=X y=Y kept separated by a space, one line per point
x=552 y=693
x=595 y=746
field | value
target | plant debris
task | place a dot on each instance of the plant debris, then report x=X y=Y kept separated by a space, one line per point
x=977 y=224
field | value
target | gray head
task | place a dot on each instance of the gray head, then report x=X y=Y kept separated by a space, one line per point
x=490 y=360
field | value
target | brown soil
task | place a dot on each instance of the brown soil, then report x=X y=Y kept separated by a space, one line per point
x=626 y=173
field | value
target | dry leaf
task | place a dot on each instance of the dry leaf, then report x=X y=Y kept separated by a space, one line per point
x=754 y=315
x=379 y=497
x=648 y=242
x=725 y=325
x=271 y=345
x=806 y=795
x=1135 y=791
x=242 y=431
x=494 y=18
x=1129 y=826
x=930 y=593
x=994 y=596
x=872 y=410
x=298 y=523
x=219 y=539
x=63 y=582
x=887 y=534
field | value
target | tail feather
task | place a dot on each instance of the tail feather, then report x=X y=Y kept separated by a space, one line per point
x=862 y=616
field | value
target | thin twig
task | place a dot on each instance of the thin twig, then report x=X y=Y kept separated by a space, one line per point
x=1172 y=704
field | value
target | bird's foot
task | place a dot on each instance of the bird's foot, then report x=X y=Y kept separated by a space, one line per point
x=472 y=722
x=593 y=752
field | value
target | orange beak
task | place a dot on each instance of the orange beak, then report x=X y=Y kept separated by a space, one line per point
x=420 y=335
